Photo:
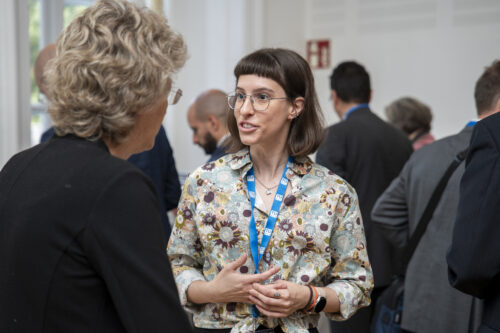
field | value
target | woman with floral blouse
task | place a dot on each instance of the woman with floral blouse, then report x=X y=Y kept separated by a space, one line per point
x=264 y=238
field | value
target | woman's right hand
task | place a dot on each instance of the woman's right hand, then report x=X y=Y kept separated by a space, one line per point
x=229 y=285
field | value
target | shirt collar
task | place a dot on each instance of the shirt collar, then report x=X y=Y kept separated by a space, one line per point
x=354 y=108
x=221 y=141
x=472 y=123
x=241 y=161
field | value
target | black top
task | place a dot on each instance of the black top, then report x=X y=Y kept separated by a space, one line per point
x=81 y=244
x=159 y=164
x=474 y=255
x=368 y=153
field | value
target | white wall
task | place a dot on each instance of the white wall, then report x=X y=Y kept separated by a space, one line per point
x=216 y=35
x=433 y=50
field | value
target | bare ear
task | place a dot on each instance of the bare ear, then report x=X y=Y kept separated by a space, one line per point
x=333 y=96
x=213 y=122
x=297 y=107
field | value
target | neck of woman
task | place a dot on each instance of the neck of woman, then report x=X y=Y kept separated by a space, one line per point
x=269 y=163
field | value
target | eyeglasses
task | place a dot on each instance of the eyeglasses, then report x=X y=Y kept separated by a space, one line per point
x=174 y=96
x=260 y=102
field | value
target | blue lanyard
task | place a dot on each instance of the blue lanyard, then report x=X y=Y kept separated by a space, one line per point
x=256 y=248
x=354 y=108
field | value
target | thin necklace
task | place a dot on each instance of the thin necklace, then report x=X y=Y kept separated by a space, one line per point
x=268 y=189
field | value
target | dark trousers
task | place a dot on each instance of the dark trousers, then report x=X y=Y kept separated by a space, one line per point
x=260 y=329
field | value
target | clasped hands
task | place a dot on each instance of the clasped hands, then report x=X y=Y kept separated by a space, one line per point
x=277 y=300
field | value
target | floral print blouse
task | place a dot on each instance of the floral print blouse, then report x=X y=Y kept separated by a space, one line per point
x=318 y=239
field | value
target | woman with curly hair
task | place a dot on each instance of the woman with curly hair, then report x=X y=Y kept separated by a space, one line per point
x=81 y=245
x=265 y=239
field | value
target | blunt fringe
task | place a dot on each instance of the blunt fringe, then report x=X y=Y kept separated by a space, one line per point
x=113 y=61
x=294 y=75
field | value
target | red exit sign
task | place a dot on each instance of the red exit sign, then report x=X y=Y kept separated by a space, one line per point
x=318 y=53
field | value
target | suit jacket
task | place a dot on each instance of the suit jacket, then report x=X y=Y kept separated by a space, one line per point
x=159 y=164
x=474 y=255
x=81 y=244
x=430 y=303
x=368 y=153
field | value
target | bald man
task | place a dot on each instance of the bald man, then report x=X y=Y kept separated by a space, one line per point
x=47 y=53
x=207 y=118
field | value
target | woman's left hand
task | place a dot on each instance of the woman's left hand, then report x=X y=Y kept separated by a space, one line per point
x=279 y=299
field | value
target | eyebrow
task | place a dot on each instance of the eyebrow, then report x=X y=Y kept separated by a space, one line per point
x=258 y=90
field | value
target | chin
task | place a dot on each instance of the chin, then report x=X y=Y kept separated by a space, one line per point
x=248 y=141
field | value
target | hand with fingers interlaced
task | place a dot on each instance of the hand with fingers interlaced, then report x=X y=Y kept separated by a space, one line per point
x=279 y=299
x=229 y=285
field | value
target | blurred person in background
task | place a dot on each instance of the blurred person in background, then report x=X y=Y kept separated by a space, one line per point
x=430 y=304
x=207 y=119
x=412 y=117
x=368 y=153
x=474 y=255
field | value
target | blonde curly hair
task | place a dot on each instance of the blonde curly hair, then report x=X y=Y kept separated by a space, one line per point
x=113 y=61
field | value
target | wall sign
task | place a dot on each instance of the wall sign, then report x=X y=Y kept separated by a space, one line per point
x=318 y=53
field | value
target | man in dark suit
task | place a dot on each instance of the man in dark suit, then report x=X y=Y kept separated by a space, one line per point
x=368 y=153
x=474 y=255
x=207 y=118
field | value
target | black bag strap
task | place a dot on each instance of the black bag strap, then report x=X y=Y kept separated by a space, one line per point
x=430 y=208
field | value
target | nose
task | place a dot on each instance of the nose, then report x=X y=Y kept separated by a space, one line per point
x=247 y=107
x=195 y=139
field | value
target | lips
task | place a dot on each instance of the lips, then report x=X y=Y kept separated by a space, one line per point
x=246 y=127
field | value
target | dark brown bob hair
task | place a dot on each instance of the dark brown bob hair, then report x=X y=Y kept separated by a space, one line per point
x=294 y=75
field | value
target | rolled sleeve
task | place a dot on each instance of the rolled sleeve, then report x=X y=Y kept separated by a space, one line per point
x=183 y=281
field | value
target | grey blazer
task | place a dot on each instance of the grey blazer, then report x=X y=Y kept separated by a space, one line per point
x=430 y=303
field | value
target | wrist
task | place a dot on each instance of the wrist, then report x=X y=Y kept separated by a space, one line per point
x=209 y=289
x=304 y=297
x=310 y=298
x=320 y=302
x=200 y=292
